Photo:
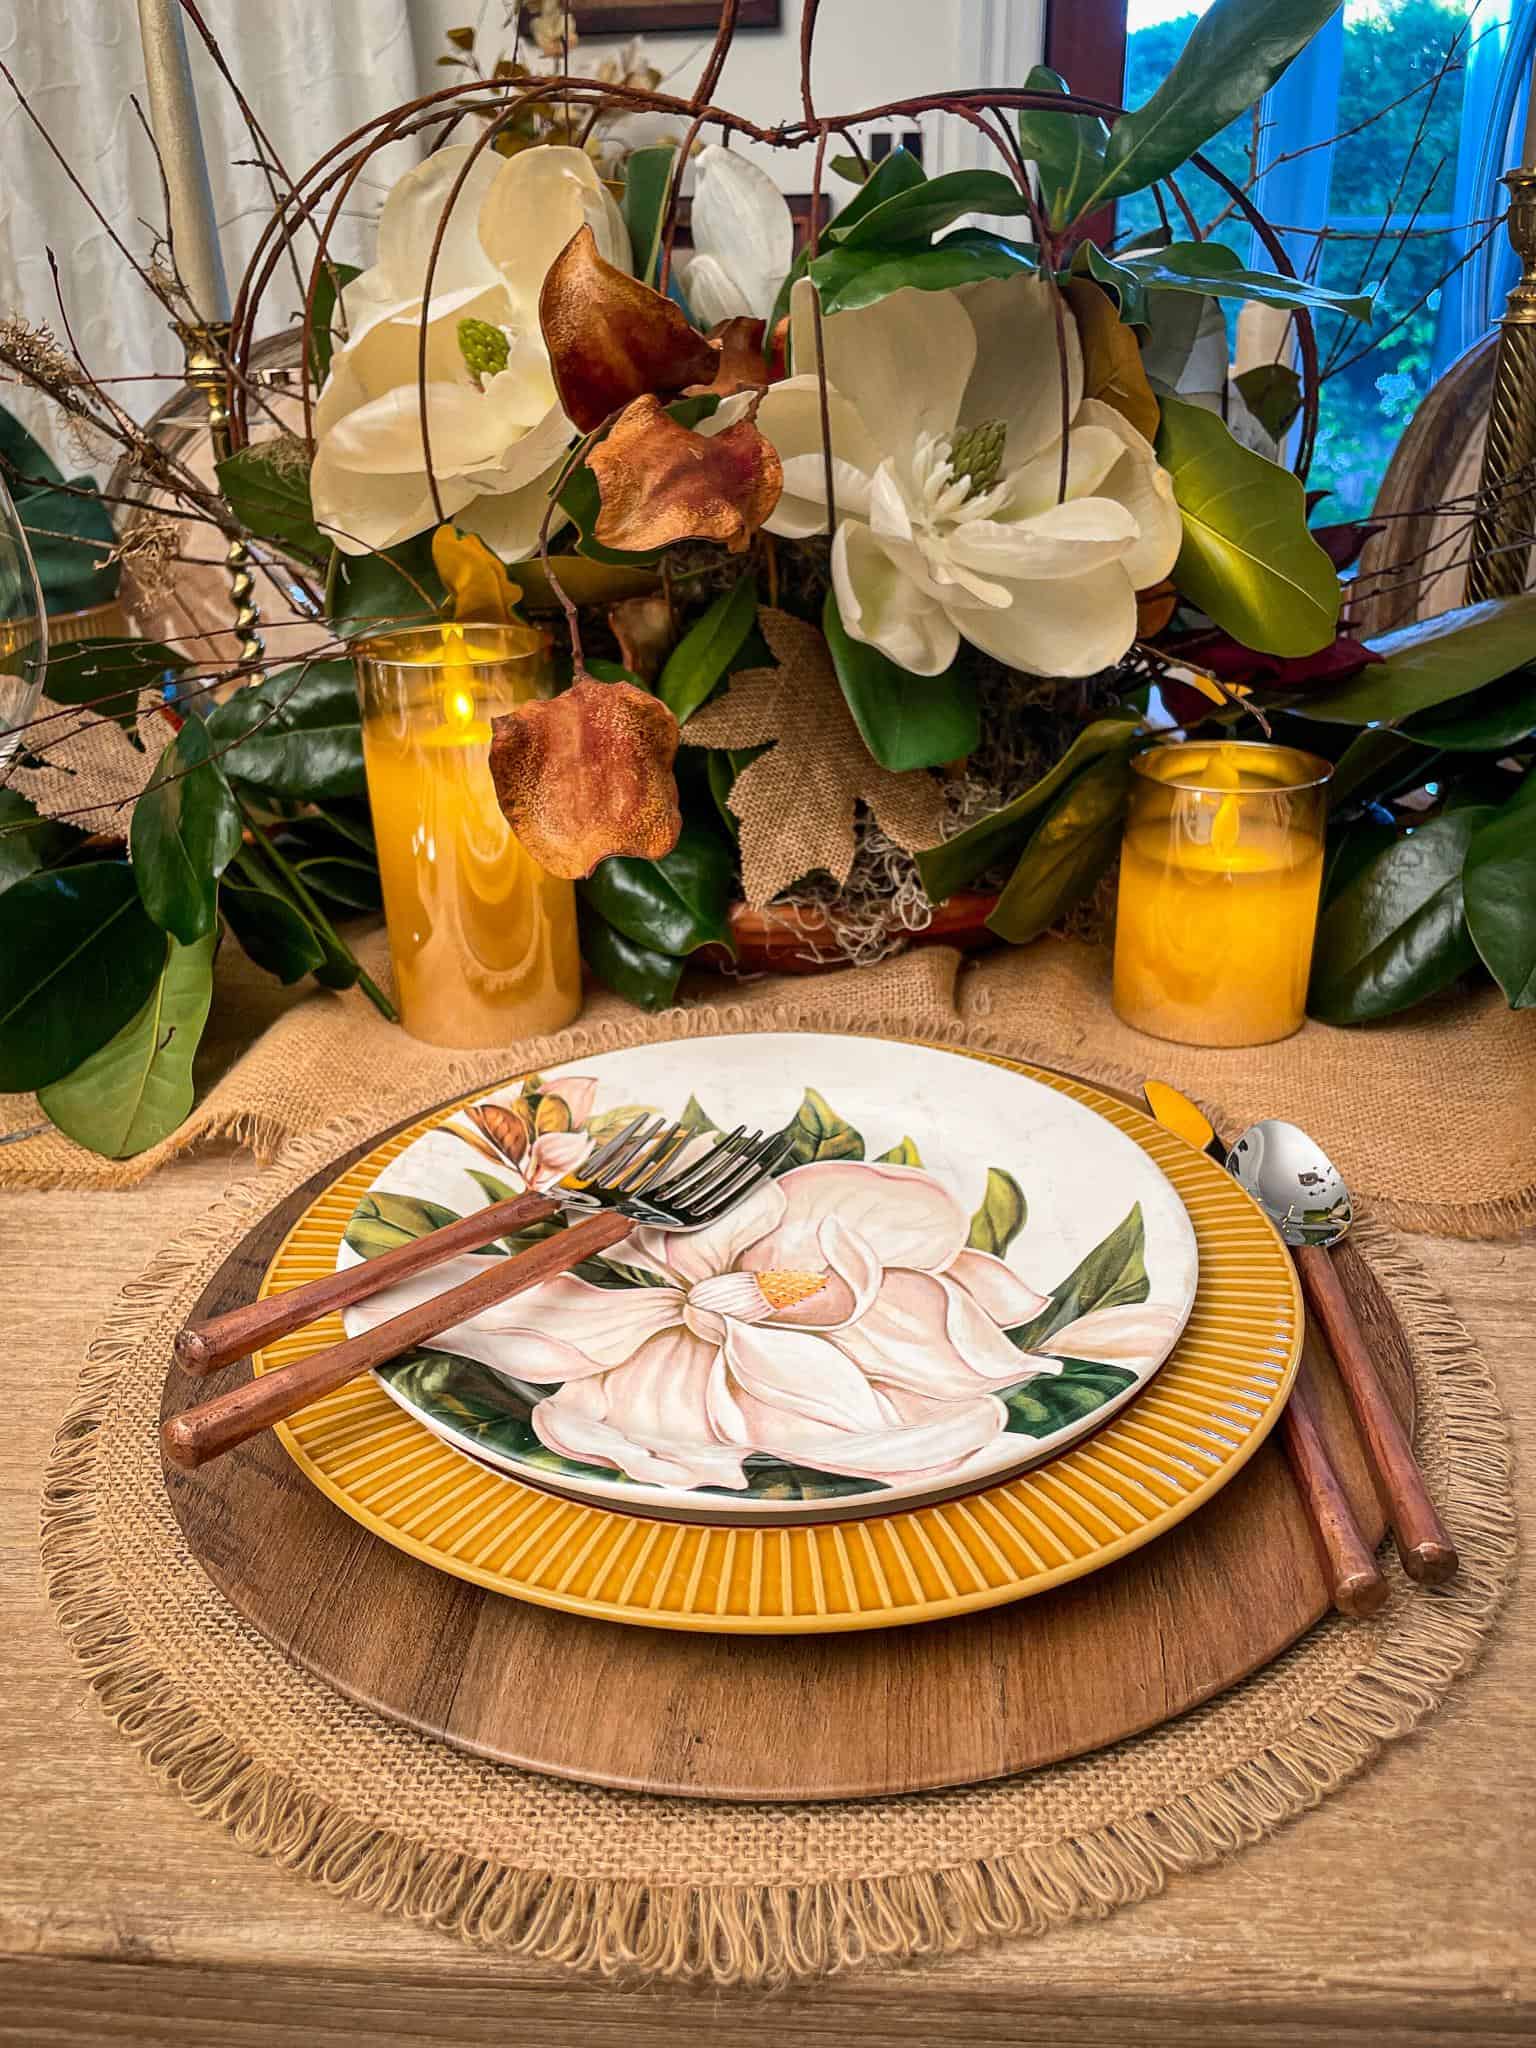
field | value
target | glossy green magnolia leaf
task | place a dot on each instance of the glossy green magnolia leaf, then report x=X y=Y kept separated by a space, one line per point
x=820 y=1133
x=295 y=733
x=1499 y=885
x=1247 y=558
x=898 y=172
x=137 y=1088
x=22 y=453
x=1501 y=714
x=1397 y=933
x=906 y=721
x=970 y=853
x=1235 y=52
x=393 y=587
x=1377 y=763
x=271 y=931
x=647 y=180
x=1067 y=150
x=914 y=217
x=639 y=973
x=382 y=1222
x=849 y=278
x=1089 y=260
x=29 y=843
x=108 y=674
x=1113 y=1275
x=1215 y=271
x=1433 y=660
x=707 y=649
x=722 y=766
x=267 y=488
x=1001 y=1216
x=1052 y=1401
x=1272 y=393
x=1064 y=859
x=673 y=905
x=79 y=955
x=350 y=886
x=72 y=537
x=323 y=332
x=186 y=830
x=1351 y=848
x=904 y=1154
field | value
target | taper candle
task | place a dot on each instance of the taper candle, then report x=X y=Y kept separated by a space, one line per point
x=1220 y=871
x=179 y=138
x=482 y=940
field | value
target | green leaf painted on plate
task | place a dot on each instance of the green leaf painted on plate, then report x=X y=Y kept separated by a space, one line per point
x=383 y=1222
x=607 y=1123
x=1113 y=1275
x=820 y=1133
x=696 y=1120
x=904 y=1154
x=1001 y=1216
x=1053 y=1401
x=137 y=1088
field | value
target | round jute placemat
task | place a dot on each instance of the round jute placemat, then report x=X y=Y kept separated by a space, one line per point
x=620 y=1882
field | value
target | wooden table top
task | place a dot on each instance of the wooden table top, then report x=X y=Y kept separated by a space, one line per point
x=1396 y=1913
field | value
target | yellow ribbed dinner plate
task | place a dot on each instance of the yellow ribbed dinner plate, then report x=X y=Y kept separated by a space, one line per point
x=1182 y=1436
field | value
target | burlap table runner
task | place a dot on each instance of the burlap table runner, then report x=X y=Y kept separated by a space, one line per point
x=1431 y=1117
x=615 y=1882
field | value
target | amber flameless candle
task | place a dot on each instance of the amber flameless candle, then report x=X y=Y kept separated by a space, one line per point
x=1220 y=872
x=483 y=941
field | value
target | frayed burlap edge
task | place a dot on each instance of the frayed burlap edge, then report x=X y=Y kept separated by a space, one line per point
x=768 y=1934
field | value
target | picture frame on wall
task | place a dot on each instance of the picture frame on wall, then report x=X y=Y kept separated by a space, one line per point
x=658 y=17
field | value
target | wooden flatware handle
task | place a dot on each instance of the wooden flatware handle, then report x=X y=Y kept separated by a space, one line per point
x=1425 y=1548
x=205 y=1432
x=202 y=1348
x=1358 y=1586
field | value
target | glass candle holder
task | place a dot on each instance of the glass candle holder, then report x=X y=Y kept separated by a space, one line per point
x=483 y=941
x=1220 y=871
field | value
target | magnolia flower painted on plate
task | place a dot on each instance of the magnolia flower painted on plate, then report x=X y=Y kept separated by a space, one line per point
x=498 y=434
x=837 y=1320
x=743 y=238
x=946 y=419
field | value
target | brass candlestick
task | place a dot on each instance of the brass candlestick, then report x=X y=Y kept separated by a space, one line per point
x=1506 y=504
x=207 y=357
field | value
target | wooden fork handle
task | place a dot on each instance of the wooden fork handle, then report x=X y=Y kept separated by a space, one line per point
x=1354 y=1576
x=205 y=1432
x=1425 y=1548
x=203 y=1347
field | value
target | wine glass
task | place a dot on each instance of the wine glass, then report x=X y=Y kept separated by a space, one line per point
x=23 y=631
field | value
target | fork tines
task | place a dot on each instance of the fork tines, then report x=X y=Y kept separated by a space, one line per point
x=648 y=1161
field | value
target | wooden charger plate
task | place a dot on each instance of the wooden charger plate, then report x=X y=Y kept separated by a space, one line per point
x=827 y=1717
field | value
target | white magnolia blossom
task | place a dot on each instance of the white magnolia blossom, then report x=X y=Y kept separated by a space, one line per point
x=946 y=420
x=497 y=436
x=836 y=1318
x=743 y=238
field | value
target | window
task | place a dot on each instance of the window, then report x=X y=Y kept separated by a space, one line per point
x=1409 y=197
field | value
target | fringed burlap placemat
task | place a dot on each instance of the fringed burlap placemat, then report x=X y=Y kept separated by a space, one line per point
x=618 y=1882
x=1431 y=1118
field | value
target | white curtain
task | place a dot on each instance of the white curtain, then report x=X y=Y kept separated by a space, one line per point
x=312 y=70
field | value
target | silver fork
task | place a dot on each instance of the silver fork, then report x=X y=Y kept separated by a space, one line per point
x=644 y=1175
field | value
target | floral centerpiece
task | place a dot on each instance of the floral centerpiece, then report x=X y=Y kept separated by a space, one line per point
x=875 y=560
